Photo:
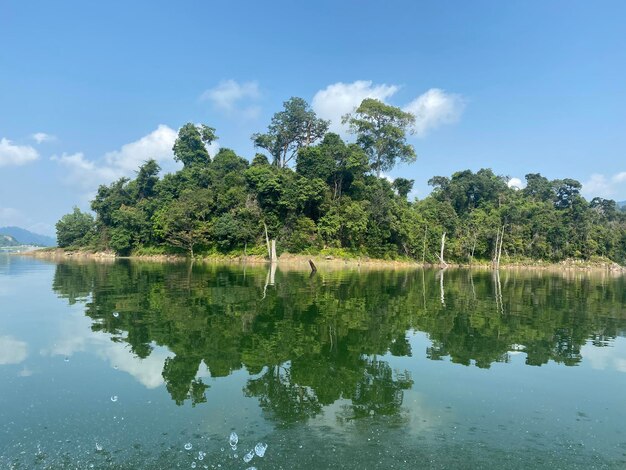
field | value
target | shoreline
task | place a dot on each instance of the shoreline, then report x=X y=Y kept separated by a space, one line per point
x=302 y=261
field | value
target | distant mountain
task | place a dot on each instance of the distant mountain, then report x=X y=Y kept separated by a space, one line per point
x=8 y=240
x=25 y=237
x=622 y=204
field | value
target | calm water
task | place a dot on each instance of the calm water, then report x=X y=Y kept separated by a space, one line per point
x=125 y=365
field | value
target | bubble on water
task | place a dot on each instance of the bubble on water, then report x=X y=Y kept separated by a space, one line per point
x=115 y=366
x=66 y=359
x=233 y=439
x=248 y=456
x=188 y=446
x=222 y=449
x=235 y=456
x=98 y=447
x=115 y=314
x=201 y=455
x=251 y=468
x=260 y=449
x=193 y=464
x=114 y=398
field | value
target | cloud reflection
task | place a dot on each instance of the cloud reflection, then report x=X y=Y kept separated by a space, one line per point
x=76 y=336
x=12 y=351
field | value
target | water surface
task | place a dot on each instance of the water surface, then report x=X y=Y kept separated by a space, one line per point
x=133 y=365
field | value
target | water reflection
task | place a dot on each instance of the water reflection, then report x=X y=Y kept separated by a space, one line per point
x=311 y=341
x=12 y=350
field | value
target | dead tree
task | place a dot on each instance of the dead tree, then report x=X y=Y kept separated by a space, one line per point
x=271 y=247
x=443 y=245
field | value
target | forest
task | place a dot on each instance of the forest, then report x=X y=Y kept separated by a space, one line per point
x=309 y=191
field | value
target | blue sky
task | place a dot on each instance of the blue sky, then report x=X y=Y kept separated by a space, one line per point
x=90 y=89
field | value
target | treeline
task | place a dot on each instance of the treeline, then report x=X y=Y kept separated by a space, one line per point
x=313 y=192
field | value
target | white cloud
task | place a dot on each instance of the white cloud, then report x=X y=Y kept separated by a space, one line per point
x=608 y=187
x=516 y=183
x=228 y=95
x=619 y=177
x=85 y=173
x=11 y=154
x=434 y=109
x=12 y=351
x=41 y=137
x=88 y=174
x=338 y=99
x=156 y=145
x=431 y=109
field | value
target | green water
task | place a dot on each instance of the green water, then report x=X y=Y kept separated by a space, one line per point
x=121 y=365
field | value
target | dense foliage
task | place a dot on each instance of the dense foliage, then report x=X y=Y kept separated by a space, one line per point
x=332 y=199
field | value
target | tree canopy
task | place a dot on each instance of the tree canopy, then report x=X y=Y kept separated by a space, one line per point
x=381 y=131
x=190 y=147
x=334 y=201
x=295 y=127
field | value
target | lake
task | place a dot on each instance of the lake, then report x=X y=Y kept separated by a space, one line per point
x=131 y=365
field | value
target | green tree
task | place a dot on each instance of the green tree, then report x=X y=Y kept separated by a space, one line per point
x=184 y=222
x=381 y=130
x=297 y=126
x=403 y=186
x=147 y=178
x=190 y=147
x=334 y=162
x=75 y=229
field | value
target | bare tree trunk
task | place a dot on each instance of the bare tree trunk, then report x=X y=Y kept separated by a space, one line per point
x=267 y=242
x=273 y=257
x=443 y=245
x=269 y=279
x=424 y=250
x=500 y=249
x=442 y=291
x=498 y=292
x=272 y=273
x=424 y=288
x=494 y=261
x=473 y=250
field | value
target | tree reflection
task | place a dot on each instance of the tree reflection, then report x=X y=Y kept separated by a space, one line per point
x=311 y=341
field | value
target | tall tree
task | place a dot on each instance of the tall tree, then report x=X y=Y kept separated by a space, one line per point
x=381 y=131
x=403 y=186
x=75 y=228
x=183 y=223
x=295 y=127
x=147 y=178
x=190 y=146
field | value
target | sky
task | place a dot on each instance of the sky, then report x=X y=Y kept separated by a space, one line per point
x=90 y=90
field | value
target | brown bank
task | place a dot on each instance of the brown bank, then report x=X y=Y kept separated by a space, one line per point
x=295 y=261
